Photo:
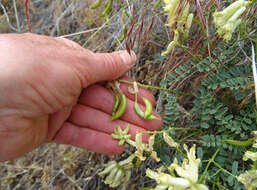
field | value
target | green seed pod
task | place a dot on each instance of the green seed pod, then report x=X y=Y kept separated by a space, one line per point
x=240 y=143
x=138 y=110
x=109 y=179
x=116 y=103
x=119 y=176
x=148 y=111
x=122 y=107
x=96 y=5
x=127 y=176
x=110 y=166
x=152 y=117
x=148 y=108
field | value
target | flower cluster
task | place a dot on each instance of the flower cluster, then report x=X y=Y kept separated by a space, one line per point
x=188 y=173
x=179 y=21
x=118 y=172
x=122 y=135
x=227 y=21
x=141 y=148
x=249 y=178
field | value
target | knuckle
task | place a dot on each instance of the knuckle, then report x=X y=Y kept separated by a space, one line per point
x=110 y=65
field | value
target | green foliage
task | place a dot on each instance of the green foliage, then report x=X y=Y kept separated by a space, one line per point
x=221 y=104
x=232 y=77
x=172 y=113
x=217 y=114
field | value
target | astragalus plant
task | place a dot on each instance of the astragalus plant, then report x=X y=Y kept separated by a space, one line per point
x=187 y=174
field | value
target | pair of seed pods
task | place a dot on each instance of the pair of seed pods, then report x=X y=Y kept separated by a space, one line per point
x=120 y=105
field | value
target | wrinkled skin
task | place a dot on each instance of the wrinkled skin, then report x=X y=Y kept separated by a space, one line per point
x=49 y=93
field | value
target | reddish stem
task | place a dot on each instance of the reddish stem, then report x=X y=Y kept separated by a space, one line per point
x=26 y=3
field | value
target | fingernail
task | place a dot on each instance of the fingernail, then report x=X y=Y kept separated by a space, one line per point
x=128 y=59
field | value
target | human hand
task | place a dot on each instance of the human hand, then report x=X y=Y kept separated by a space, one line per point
x=43 y=96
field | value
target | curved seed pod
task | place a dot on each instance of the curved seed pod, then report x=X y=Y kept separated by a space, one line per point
x=240 y=143
x=152 y=117
x=96 y=5
x=127 y=161
x=118 y=177
x=116 y=103
x=138 y=110
x=141 y=114
x=122 y=107
x=127 y=176
x=110 y=166
x=109 y=179
x=148 y=108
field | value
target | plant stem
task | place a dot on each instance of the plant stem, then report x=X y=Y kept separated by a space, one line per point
x=159 y=38
x=189 y=52
x=26 y=3
x=106 y=23
x=179 y=151
x=157 y=88
x=190 y=135
x=209 y=163
x=220 y=167
x=166 y=131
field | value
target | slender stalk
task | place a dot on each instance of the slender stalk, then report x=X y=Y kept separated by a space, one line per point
x=106 y=23
x=179 y=151
x=222 y=169
x=190 y=135
x=7 y=17
x=159 y=38
x=157 y=88
x=209 y=163
x=26 y=3
x=168 y=130
x=189 y=52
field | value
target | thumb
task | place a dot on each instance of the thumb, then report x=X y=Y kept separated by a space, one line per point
x=108 y=66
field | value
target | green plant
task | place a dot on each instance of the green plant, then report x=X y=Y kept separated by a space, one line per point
x=221 y=113
x=122 y=107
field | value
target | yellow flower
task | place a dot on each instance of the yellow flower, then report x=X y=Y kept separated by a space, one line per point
x=183 y=20
x=167 y=180
x=170 y=141
x=171 y=7
x=189 y=168
x=141 y=147
x=250 y=155
x=188 y=174
x=172 y=44
x=227 y=21
x=118 y=173
x=249 y=179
